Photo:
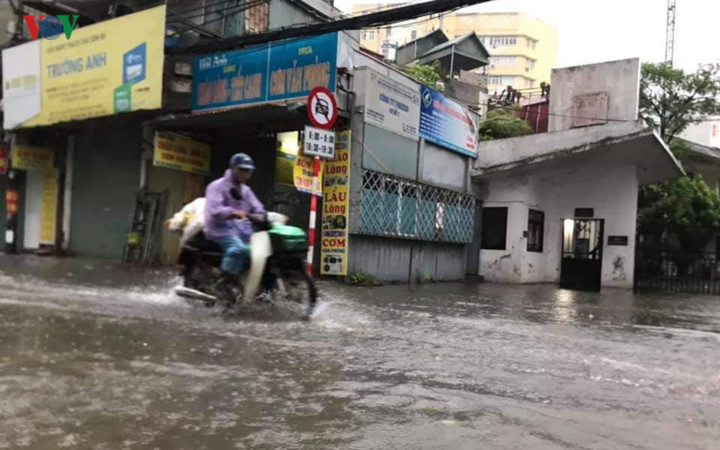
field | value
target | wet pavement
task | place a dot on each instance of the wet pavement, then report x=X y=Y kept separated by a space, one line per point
x=96 y=356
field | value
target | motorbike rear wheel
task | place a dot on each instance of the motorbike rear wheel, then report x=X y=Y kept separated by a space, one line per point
x=297 y=289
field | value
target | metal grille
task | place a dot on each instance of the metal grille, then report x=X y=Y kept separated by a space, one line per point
x=401 y=208
x=692 y=273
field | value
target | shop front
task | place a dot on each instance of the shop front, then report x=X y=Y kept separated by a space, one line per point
x=74 y=107
x=253 y=101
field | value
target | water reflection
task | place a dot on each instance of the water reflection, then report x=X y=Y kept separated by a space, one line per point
x=564 y=308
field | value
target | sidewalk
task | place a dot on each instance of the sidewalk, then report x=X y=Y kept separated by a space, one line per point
x=86 y=271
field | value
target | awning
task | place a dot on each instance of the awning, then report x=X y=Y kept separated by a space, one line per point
x=622 y=142
x=255 y=119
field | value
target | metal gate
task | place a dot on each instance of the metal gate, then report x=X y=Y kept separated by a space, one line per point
x=673 y=271
x=582 y=244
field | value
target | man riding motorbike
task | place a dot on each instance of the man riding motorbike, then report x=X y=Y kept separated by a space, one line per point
x=229 y=201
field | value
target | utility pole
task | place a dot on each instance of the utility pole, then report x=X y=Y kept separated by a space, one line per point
x=670 y=33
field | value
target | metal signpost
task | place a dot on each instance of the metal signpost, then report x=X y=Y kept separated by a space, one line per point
x=320 y=143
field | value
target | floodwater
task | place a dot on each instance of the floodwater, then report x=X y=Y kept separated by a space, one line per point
x=93 y=356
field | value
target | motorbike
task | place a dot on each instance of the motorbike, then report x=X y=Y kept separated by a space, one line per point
x=277 y=274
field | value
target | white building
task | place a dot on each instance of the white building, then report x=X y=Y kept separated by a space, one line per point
x=562 y=206
x=703 y=151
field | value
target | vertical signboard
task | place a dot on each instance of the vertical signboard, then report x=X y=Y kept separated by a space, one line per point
x=267 y=73
x=446 y=123
x=48 y=208
x=392 y=105
x=4 y=159
x=336 y=208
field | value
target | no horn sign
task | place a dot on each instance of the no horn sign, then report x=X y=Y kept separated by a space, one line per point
x=50 y=27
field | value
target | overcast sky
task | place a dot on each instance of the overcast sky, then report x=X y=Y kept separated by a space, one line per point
x=601 y=30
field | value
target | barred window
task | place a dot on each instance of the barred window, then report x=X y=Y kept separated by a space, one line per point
x=397 y=207
x=494 y=228
x=536 y=225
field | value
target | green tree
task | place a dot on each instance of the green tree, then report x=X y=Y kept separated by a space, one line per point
x=680 y=215
x=684 y=214
x=428 y=75
x=502 y=123
x=671 y=99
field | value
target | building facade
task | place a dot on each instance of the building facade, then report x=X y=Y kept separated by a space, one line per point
x=561 y=207
x=82 y=168
x=399 y=206
x=523 y=49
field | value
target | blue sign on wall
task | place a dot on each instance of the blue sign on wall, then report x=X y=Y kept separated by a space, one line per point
x=447 y=123
x=134 y=64
x=275 y=72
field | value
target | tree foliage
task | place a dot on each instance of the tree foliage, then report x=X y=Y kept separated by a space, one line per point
x=680 y=215
x=428 y=75
x=502 y=123
x=671 y=99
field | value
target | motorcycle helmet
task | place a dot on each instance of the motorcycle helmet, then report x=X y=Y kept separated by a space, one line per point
x=241 y=161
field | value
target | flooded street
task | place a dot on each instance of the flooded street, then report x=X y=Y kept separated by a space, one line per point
x=93 y=356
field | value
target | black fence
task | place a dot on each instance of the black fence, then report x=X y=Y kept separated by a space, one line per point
x=697 y=273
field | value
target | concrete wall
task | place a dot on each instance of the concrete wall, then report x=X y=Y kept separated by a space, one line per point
x=385 y=150
x=525 y=148
x=705 y=133
x=468 y=94
x=610 y=189
x=441 y=167
x=404 y=260
x=620 y=80
x=283 y=14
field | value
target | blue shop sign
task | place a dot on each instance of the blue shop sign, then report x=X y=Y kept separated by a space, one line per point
x=269 y=73
x=446 y=123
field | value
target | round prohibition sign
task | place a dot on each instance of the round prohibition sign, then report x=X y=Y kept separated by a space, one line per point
x=322 y=108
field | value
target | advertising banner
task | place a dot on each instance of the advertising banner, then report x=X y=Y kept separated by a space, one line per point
x=303 y=175
x=32 y=158
x=48 y=208
x=392 y=105
x=102 y=69
x=21 y=83
x=284 y=167
x=268 y=73
x=336 y=209
x=175 y=151
x=4 y=160
x=447 y=123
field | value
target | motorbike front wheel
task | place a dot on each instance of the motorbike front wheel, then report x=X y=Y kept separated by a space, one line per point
x=297 y=289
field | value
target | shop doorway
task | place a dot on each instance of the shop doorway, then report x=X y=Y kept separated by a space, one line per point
x=582 y=252
x=33 y=208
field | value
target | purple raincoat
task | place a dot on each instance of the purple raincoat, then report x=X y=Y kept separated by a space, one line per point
x=219 y=206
